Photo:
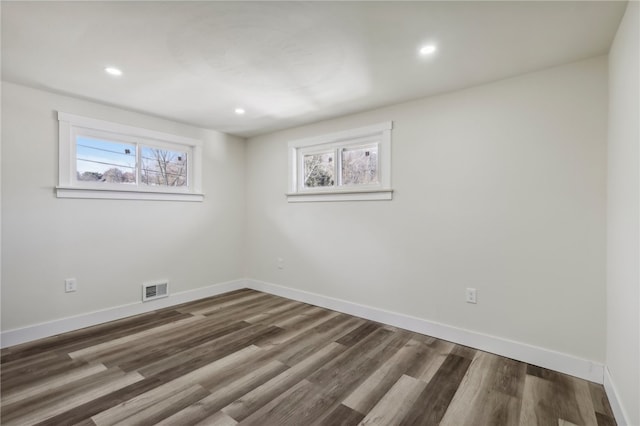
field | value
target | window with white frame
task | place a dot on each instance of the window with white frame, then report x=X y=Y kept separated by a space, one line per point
x=100 y=159
x=349 y=165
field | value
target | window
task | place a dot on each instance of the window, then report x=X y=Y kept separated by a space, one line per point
x=99 y=159
x=318 y=170
x=349 y=165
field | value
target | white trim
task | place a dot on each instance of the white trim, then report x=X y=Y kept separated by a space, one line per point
x=614 y=400
x=51 y=328
x=378 y=134
x=376 y=194
x=92 y=123
x=564 y=363
x=542 y=357
x=125 y=194
x=70 y=126
x=342 y=135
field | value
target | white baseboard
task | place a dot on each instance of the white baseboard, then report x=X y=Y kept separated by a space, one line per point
x=546 y=358
x=612 y=394
x=541 y=357
x=51 y=328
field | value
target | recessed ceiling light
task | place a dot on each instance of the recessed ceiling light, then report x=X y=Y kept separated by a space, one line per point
x=427 y=49
x=240 y=111
x=113 y=71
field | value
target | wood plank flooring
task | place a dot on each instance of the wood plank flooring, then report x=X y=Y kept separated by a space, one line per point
x=251 y=358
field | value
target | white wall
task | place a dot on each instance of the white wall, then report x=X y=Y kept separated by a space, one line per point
x=110 y=246
x=623 y=215
x=499 y=187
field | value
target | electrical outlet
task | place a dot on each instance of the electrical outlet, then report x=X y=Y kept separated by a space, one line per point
x=70 y=285
x=280 y=263
x=471 y=295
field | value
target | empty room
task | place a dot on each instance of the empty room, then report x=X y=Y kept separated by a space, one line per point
x=320 y=213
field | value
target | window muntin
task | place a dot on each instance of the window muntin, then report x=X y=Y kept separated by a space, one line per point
x=352 y=162
x=351 y=165
x=99 y=159
x=105 y=160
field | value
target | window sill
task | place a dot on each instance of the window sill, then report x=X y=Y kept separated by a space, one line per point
x=363 y=195
x=114 y=194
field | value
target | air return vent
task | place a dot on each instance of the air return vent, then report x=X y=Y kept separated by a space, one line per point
x=152 y=291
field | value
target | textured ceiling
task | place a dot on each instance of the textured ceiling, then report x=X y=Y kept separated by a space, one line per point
x=287 y=63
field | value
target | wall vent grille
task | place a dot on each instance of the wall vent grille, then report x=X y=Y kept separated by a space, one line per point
x=151 y=291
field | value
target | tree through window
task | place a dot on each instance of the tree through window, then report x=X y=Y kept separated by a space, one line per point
x=99 y=159
x=319 y=170
x=350 y=165
x=163 y=167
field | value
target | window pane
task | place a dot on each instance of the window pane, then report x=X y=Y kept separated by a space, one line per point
x=319 y=170
x=360 y=165
x=105 y=161
x=163 y=167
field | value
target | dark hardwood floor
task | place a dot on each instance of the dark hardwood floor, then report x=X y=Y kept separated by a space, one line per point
x=251 y=358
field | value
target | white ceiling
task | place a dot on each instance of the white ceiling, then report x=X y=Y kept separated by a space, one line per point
x=287 y=63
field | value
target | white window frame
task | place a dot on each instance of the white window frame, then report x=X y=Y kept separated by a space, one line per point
x=70 y=126
x=378 y=134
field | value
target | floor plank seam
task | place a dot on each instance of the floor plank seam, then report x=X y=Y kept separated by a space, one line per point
x=252 y=358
